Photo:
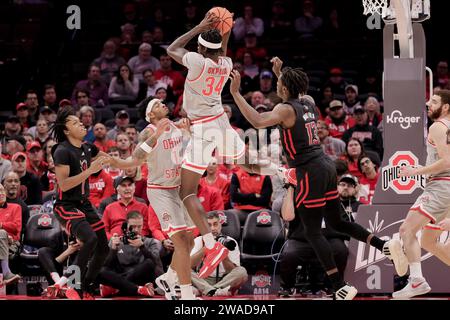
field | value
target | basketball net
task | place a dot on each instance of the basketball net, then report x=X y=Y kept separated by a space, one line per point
x=403 y=13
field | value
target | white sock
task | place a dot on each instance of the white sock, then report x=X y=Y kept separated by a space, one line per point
x=186 y=292
x=62 y=281
x=415 y=270
x=171 y=274
x=209 y=240
x=55 y=276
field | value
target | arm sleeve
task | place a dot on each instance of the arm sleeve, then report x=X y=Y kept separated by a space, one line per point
x=151 y=250
x=154 y=225
x=14 y=226
x=106 y=221
x=266 y=193
x=145 y=229
x=112 y=88
x=61 y=156
x=236 y=196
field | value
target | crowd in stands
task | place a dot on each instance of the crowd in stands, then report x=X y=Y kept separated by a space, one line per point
x=109 y=101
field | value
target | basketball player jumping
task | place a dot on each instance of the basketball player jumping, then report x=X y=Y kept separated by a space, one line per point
x=75 y=161
x=316 y=194
x=160 y=144
x=208 y=71
x=430 y=209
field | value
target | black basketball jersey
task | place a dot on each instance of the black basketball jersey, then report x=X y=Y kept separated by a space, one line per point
x=78 y=159
x=301 y=142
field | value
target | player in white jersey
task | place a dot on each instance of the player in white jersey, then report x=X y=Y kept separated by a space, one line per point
x=432 y=207
x=160 y=144
x=208 y=71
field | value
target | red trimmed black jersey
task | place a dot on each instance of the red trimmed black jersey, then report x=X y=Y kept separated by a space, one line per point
x=78 y=159
x=301 y=142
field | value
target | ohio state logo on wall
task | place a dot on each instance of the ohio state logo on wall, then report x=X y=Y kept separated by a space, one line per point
x=391 y=174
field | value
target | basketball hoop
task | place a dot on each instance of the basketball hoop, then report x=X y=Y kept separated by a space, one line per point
x=419 y=9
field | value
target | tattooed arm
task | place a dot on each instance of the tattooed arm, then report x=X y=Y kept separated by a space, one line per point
x=147 y=136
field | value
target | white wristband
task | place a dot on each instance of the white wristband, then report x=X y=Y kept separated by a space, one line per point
x=146 y=147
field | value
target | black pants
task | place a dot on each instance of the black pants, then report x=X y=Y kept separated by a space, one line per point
x=301 y=253
x=81 y=220
x=47 y=256
x=127 y=283
x=316 y=198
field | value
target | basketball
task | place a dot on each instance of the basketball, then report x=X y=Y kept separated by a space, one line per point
x=226 y=19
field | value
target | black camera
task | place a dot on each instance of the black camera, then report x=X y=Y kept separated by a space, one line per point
x=227 y=243
x=128 y=233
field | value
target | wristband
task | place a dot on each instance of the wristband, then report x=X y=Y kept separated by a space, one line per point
x=144 y=146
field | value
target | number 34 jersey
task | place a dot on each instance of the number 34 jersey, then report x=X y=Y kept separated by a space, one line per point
x=204 y=83
x=164 y=161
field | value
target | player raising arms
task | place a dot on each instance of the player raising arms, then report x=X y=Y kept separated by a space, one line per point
x=208 y=71
x=160 y=144
x=430 y=209
x=316 y=194
x=75 y=161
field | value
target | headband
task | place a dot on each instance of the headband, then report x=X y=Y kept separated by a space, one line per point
x=150 y=106
x=207 y=44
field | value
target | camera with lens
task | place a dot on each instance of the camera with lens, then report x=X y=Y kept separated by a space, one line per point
x=128 y=233
x=227 y=243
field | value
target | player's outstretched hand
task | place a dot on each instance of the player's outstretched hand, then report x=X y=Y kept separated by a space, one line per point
x=277 y=63
x=235 y=82
x=162 y=125
x=207 y=23
x=98 y=163
x=184 y=124
x=408 y=171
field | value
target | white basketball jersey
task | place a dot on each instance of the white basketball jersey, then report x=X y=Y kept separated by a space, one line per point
x=432 y=154
x=204 y=83
x=164 y=161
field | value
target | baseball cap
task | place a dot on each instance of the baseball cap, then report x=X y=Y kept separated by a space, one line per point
x=46 y=109
x=13 y=118
x=349 y=178
x=359 y=109
x=21 y=105
x=266 y=74
x=118 y=181
x=65 y=102
x=17 y=138
x=336 y=103
x=33 y=144
x=261 y=106
x=336 y=71
x=18 y=154
x=122 y=113
x=353 y=87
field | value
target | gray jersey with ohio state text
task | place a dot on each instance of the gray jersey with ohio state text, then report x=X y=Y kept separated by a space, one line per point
x=164 y=161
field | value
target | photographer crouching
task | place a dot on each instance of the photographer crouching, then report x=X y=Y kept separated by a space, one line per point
x=133 y=262
x=229 y=276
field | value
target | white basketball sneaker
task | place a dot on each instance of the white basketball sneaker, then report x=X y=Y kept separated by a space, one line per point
x=394 y=251
x=415 y=287
x=347 y=292
x=167 y=285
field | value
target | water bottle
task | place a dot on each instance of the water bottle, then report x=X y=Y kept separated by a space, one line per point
x=2 y=286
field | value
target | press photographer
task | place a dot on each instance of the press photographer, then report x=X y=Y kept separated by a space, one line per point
x=229 y=276
x=133 y=262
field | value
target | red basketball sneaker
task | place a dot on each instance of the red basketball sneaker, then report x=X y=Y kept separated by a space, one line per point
x=212 y=258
